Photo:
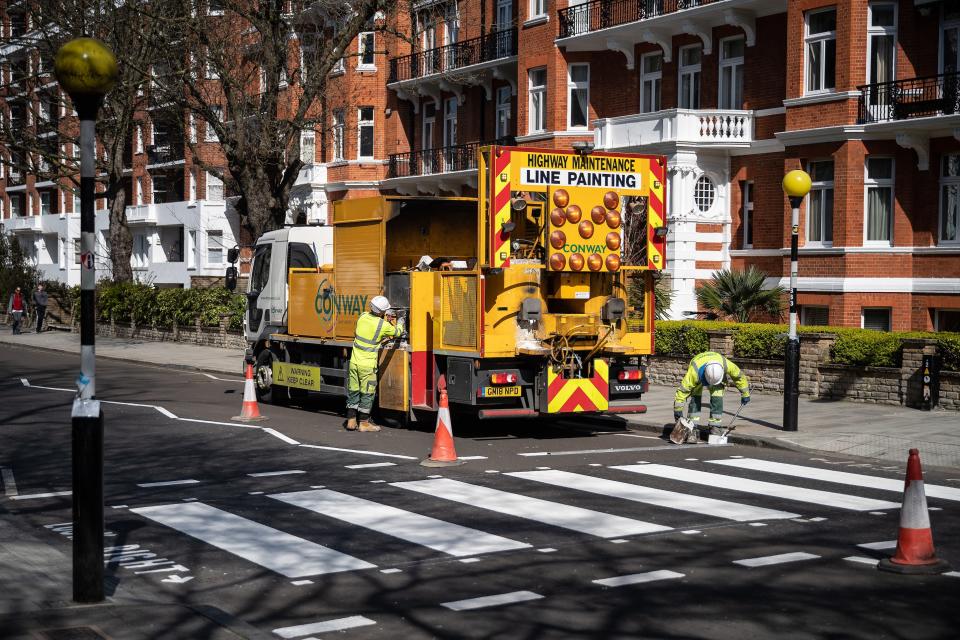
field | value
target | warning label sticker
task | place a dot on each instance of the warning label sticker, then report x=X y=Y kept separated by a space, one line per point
x=298 y=376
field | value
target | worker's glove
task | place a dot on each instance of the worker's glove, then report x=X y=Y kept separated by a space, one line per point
x=745 y=400
x=677 y=415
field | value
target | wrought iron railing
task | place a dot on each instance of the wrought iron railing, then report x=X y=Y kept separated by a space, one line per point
x=600 y=14
x=460 y=157
x=486 y=48
x=910 y=98
x=162 y=153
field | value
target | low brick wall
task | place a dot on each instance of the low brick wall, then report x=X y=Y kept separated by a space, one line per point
x=197 y=334
x=821 y=378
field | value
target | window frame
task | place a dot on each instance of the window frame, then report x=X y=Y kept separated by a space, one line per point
x=878 y=183
x=210 y=234
x=863 y=317
x=363 y=124
x=210 y=180
x=338 y=133
x=738 y=70
x=937 y=322
x=882 y=31
x=209 y=133
x=819 y=39
x=655 y=77
x=363 y=51
x=501 y=107
x=820 y=186
x=746 y=212
x=311 y=135
x=535 y=91
x=695 y=71
x=536 y=9
x=944 y=182
x=573 y=86
x=805 y=309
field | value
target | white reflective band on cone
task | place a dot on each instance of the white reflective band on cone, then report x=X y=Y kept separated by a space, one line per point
x=913 y=514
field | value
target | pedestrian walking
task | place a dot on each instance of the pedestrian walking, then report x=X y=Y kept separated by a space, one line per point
x=16 y=307
x=40 y=299
x=711 y=370
x=372 y=328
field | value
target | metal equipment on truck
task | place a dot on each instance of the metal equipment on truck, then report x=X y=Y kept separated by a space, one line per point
x=536 y=297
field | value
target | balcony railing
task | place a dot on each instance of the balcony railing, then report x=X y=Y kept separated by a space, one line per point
x=486 y=48
x=163 y=153
x=910 y=98
x=601 y=14
x=460 y=157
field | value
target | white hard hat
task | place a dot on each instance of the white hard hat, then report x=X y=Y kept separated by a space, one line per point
x=379 y=305
x=713 y=373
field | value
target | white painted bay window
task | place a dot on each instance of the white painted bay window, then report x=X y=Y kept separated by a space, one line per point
x=878 y=206
x=651 y=75
x=731 y=73
x=690 y=76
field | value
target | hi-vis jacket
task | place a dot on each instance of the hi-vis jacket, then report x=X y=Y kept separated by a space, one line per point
x=370 y=331
x=693 y=380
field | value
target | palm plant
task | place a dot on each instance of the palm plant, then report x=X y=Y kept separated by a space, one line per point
x=740 y=294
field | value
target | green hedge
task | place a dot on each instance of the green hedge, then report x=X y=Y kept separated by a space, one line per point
x=160 y=307
x=855 y=347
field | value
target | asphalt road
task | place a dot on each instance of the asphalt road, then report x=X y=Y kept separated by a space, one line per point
x=583 y=529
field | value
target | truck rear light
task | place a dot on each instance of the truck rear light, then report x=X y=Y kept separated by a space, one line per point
x=503 y=378
x=634 y=374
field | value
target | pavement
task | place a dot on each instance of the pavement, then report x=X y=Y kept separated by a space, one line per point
x=838 y=427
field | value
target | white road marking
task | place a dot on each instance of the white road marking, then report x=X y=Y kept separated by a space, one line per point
x=24 y=382
x=277 y=434
x=168 y=483
x=619 y=541
x=220 y=424
x=394 y=570
x=879 y=546
x=439 y=535
x=491 y=471
x=638 y=578
x=546 y=550
x=629 y=449
x=595 y=523
x=267 y=474
x=360 y=451
x=298 y=583
x=839 y=477
x=9 y=482
x=780 y=558
x=690 y=532
x=870 y=561
x=817 y=519
x=286 y=554
x=52 y=494
x=255 y=493
x=213 y=377
x=952 y=574
x=472 y=458
x=371 y=465
x=120 y=506
x=327 y=626
x=637 y=435
x=469 y=560
x=656 y=497
x=878 y=513
x=757 y=524
x=491 y=601
x=773 y=490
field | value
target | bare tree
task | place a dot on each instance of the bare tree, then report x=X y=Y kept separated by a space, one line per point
x=255 y=75
x=37 y=141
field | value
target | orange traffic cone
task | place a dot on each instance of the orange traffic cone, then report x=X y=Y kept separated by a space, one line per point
x=250 y=411
x=914 y=552
x=443 y=454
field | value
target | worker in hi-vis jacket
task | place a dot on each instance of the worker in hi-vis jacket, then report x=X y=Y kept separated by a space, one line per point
x=372 y=328
x=711 y=370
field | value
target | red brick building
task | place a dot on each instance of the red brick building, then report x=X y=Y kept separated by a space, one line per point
x=864 y=95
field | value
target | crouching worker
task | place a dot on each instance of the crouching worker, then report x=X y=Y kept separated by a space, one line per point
x=372 y=328
x=711 y=370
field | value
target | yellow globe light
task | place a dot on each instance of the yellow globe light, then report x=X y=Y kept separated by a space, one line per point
x=85 y=67
x=796 y=184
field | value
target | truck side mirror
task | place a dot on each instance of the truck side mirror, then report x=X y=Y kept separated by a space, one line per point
x=231 y=278
x=233 y=254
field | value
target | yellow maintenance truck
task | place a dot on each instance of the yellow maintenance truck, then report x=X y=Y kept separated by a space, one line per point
x=536 y=297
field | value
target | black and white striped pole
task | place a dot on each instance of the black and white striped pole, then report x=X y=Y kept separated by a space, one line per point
x=87 y=70
x=796 y=184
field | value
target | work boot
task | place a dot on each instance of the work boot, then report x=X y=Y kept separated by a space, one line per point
x=367 y=427
x=351 y=424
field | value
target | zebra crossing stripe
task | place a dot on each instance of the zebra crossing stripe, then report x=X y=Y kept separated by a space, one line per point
x=439 y=535
x=780 y=558
x=839 y=477
x=268 y=547
x=603 y=525
x=823 y=498
x=657 y=497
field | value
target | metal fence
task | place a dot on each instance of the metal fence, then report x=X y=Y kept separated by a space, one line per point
x=600 y=14
x=910 y=98
x=486 y=48
x=425 y=162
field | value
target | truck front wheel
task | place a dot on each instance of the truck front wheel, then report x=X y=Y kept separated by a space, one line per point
x=263 y=380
